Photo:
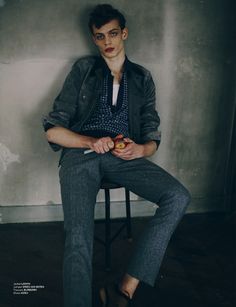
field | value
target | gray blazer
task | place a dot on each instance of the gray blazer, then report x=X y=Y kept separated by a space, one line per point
x=82 y=88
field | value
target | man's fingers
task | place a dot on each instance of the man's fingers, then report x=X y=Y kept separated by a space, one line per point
x=128 y=140
x=122 y=154
x=103 y=145
x=119 y=136
x=110 y=144
x=107 y=146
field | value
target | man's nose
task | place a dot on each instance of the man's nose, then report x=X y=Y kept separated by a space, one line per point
x=107 y=40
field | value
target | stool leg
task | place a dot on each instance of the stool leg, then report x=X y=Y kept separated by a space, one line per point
x=107 y=230
x=128 y=215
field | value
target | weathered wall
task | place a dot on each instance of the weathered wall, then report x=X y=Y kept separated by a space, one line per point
x=186 y=44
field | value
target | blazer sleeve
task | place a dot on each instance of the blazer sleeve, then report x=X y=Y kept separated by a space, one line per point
x=150 y=120
x=65 y=105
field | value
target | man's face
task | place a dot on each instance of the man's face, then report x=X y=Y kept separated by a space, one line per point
x=110 y=39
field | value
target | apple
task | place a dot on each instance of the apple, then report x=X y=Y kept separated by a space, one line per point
x=119 y=142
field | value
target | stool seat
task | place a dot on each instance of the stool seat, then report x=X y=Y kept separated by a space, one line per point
x=107 y=186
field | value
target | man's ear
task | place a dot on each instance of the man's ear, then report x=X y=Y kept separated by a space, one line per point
x=125 y=33
x=94 y=39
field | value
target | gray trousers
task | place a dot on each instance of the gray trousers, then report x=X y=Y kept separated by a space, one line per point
x=80 y=178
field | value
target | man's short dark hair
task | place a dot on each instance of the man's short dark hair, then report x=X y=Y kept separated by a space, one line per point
x=104 y=13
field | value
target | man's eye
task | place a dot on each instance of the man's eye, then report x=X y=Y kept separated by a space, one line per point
x=99 y=37
x=114 y=34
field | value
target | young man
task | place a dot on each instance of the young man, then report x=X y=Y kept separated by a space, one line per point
x=102 y=97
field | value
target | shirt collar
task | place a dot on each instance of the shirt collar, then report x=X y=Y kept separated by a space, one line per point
x=101 y=66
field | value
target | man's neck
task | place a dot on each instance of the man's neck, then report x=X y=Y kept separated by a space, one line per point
x=116 y=64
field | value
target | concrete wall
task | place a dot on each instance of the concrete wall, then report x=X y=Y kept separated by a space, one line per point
x=186 y=44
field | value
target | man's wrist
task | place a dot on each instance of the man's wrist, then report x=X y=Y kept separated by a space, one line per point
x=149 y=148
x=90 y=142
x=143 y=150
x=86 y=141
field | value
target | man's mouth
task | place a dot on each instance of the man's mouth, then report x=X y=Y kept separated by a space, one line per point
x=109 y=49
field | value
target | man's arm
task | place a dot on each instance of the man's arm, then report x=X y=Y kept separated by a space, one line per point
x=64 y=109
x=57 y=123
x=70 y=139
x=149 y=118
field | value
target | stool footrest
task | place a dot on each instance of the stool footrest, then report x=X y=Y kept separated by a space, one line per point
x=117 y=233
x=113 y=237
x=100 y=240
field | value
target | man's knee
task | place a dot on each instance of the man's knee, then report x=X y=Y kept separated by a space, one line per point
x=182 y=198
x=177 y=198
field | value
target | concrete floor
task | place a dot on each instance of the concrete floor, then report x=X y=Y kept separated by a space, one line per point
x=198 y=269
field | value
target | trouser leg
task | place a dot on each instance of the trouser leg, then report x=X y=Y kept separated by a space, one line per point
x=152 y=183
x=79 y=186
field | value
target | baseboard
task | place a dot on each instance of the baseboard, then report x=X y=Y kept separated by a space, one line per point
x=139 y=208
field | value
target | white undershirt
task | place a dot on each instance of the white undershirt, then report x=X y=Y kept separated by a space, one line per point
x=115 y=93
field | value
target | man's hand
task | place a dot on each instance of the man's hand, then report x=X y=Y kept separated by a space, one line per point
x=130 y=152
x=102 y=145
x=134 y=150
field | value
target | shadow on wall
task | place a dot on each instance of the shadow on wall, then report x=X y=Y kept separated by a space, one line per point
x=83 y=17
x=201 y=106
x=36 y=176
x=22 y=183
x=46 y=103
